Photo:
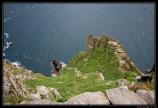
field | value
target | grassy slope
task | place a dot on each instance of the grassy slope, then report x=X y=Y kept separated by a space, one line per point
x=98 y=60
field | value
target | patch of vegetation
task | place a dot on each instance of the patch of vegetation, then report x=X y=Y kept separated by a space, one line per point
x=141 y=85
x=13 y=99
x=98 y=60
x=68 y=84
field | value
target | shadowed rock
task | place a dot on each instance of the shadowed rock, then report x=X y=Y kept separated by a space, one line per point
x=147 y=95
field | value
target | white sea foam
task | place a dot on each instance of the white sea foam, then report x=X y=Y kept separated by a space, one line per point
x=8 y=43
x=6 y=19
x=63 y=64
x=3 y=54
x=7 y=35
x=16 y=64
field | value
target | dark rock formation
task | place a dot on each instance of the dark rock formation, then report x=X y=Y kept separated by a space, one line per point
x=56 y=66
x=147 y=76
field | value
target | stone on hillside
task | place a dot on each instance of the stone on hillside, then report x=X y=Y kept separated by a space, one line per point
x=122 y=95
x=113 y=43
x=122 y=56
x=121 y=63
x=137 y=77
x=78 y=73
x=122 y=82
x=101 y=76
x=84 y=77
x=89 y=98
x=54 y=91
x=147 y=95
x=119 y=50
x=43 y=91
x=91 y=41
x=35 y=96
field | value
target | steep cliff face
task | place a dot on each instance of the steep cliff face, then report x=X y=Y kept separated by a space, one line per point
x=12 y=86
x=125 y=63
x=103 y=66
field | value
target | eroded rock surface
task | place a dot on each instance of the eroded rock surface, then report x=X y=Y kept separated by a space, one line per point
x=89 y=98
x=147 y=95
x=122 y=95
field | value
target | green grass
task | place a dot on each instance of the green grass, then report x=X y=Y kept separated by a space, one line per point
x=71 y=84
x=13 y=99
x=98 y=60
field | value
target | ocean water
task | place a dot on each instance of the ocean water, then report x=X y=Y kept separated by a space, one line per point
x=34 y=34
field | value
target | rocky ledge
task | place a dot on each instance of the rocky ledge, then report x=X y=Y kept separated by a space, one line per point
x=125 y=62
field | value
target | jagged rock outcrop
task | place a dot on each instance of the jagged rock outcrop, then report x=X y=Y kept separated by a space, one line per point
x=43 y=92
x=125 y=63
x=54 y=91
x=89 y=98
x=147 y=76
x=147 y=95
x=12 y=85
x=122 y=95
x=34 y=96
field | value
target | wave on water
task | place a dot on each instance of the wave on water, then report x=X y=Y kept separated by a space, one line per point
x=6 y=19
x=16 y=64
x=7 y=35
x=6 y=43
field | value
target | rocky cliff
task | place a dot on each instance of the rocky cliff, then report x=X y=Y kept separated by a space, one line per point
x=102 y=74
x=125 y=63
